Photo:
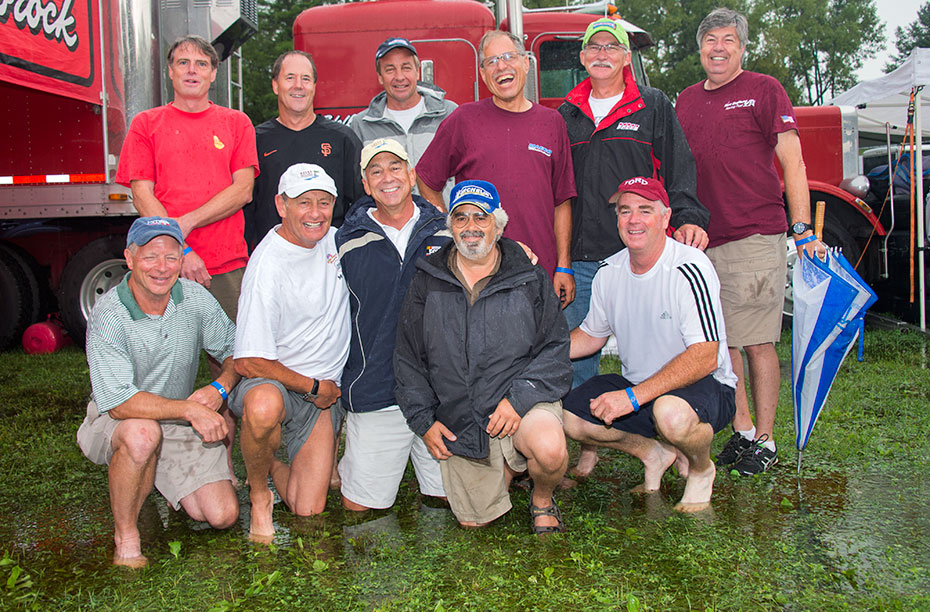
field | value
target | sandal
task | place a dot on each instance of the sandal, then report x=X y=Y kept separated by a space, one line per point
x=553 y=510
x=522 y=481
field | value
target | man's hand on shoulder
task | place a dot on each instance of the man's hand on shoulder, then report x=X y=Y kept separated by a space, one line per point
x=327 y=394
x=433 y=438
x=692 y=235
x=193 y=268
x=504 y=421
x=208 y=423
x=610 y=406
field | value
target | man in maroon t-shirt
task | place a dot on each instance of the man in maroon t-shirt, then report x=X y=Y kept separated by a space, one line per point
x=520 y=147
x=737 y=122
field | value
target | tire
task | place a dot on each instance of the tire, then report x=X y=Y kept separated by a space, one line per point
x=16 y=301
x=93 y=271
x=36 y=279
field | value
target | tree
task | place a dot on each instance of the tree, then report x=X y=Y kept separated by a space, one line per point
x=813 y=47
x=916 y=34
x=275 y=36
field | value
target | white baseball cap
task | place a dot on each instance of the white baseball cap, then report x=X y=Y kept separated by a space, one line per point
x=301 y=178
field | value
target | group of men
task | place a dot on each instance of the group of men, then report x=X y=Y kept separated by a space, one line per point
x=380 y=294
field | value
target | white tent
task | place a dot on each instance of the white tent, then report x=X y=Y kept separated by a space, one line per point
x=885 y=99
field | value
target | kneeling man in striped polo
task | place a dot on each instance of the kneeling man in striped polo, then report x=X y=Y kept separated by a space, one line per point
x=145 y=420
x=661 y=299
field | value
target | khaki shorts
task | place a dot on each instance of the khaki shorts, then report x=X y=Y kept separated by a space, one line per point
x=184 y=462
x=752 y=274
x=225 y=288
x=477 y=488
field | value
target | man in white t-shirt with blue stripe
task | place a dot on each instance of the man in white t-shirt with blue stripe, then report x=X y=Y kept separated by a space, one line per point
x=661 y=299
x=292 y=341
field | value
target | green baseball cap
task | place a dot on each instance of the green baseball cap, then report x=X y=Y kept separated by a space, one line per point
x=611 y=26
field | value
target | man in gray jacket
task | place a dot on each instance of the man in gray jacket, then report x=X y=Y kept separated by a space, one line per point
x=481 y=362
x=407 y=110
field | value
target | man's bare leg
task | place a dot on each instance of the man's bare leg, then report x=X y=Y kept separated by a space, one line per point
x=680 y=426
x=586 y=462
x=260 y=437
x=656 y=458
x=215 y=503
x=304 y=484
x=742 y=420
x=135 y=445
x=541 y=440
x=765 y=381
x=231 y=423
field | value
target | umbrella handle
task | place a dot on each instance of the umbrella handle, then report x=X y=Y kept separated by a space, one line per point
x=818 y=219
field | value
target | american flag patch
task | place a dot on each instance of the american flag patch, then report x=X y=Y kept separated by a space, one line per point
x=787 y=119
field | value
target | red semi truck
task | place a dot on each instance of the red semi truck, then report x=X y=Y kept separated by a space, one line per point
x=71 y=82
x=72 y=77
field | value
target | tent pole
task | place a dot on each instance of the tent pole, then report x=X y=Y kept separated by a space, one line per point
x=919 y=158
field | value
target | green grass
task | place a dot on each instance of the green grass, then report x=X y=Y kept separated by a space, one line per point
x=852 y=535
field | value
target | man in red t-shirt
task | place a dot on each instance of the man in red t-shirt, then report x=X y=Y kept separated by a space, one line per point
x=737 y=122
x=196 y=162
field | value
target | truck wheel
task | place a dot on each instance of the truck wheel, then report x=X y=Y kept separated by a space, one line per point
x=16 y=301
x=92 y=271
x=36 y=279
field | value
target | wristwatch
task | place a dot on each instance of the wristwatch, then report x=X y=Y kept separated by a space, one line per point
x=800 y=227
x=310 y=395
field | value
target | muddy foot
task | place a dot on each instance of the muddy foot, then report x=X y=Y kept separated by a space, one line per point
x=134 y=562
x=261 y=525
x=586 y=463
x=659 y=459
x=698 y=489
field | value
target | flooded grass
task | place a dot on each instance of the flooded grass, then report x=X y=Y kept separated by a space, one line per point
x=850 y=534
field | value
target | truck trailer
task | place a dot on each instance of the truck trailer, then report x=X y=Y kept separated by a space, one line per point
x=73 y=74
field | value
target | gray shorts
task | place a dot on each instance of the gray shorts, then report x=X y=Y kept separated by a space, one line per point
x=300 y=416
x=477 y=488
x=752 y=274
x=185 y=463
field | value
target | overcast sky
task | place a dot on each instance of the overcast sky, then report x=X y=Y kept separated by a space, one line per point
x=894 y=13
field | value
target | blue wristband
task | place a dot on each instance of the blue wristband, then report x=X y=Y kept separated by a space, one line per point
x=803 y=241
x=568 y=271
x=187 y=250
x=629 y=394
x=219 y=388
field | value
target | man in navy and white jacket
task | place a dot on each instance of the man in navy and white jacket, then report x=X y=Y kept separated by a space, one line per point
x=382 y=237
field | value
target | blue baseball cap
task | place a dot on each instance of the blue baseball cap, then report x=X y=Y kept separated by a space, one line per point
x=144 y=229
x=478 y=193
x=395 y=42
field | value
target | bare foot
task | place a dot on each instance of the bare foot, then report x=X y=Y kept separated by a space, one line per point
x=261 y=525
x=567 y=483
x=135 y=562
x=586 y=462
x=659 y=459
x=698 y=490
x=641 y=489
x=128 y=552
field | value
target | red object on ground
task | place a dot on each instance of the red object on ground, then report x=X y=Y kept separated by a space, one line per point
x=45 y=337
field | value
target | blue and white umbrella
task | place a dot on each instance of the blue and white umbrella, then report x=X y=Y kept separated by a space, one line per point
x=830 y=300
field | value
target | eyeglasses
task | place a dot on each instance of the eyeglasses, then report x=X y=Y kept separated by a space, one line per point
x=610 y=48
x=511 y=57
x=460 y=219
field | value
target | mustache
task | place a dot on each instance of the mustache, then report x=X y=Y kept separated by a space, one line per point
x=472 y=234
x=603 y=64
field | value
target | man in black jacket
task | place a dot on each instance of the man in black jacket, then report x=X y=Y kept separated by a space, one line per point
x=481 y=363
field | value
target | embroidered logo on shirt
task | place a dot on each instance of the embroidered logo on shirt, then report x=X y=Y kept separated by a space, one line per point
x=326 y=149
x=432 y=249
x=787 y=119
x=626 y=125
x=217 y=142
x=540 y=148
x=739 y=104
x=266 y=154
x=665 y=315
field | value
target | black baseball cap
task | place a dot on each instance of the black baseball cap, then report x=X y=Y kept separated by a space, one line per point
x=393 y=43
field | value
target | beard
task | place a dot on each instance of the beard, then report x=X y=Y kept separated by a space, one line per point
x=474 y=252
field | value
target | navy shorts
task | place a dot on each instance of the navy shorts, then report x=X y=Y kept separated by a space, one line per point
x=713 y=402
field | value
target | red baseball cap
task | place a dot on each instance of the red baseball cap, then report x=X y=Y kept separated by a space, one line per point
x=649 y=188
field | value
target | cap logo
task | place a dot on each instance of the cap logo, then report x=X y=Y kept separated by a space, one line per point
x=309 y=174
x=636 y=181
x=473 y=190
x=156 y=222
x=397 y=41
x=605 y=24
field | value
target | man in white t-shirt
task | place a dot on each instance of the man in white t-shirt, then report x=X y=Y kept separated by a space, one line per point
x=292 y=341
x=661 y=299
